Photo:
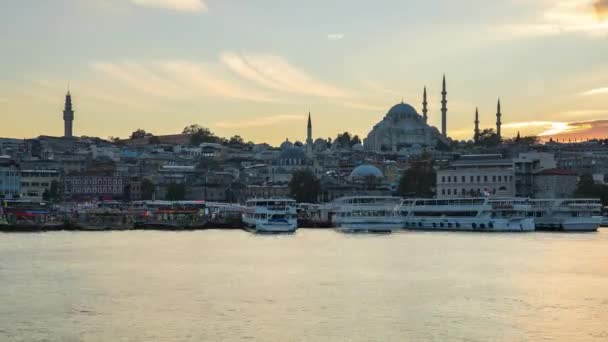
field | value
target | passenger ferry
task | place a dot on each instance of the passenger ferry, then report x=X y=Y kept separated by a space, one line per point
x=171 y=215
x=566 y=214
x=466 y=214
x=372 y=214
x=271 y=215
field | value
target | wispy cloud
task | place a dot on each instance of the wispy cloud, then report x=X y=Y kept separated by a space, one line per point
x=276 y=73
x=176 y=80
x=260 y=122
x=335 y=36
x=565 y=16
x=177 y=5
x=595 y=91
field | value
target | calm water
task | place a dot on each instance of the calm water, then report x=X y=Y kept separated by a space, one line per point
x=316 y=285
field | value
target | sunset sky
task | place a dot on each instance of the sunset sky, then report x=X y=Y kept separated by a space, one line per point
x=256 y=68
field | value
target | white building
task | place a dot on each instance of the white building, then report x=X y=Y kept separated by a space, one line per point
x=35 y=182
x=477 y=175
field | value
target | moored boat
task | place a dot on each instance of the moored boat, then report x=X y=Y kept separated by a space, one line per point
x=566 y=214
x=466 y=214
x=366 y=214
x=273 y=215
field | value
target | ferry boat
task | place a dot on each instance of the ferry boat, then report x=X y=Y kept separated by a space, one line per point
x=566 y=214
x=171 y=215
x=29 y=216
x=367 y=214
x=271 y=215
x=466 y=214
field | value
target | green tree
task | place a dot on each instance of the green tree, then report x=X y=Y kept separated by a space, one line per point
x=304 y=186
x=489 y=138
x=147 y=189
x=587 y=188
x=138 y=134
x=154 y=140
x=199 y=135
x=420 y=179
x=176 y=192
x=208 y=164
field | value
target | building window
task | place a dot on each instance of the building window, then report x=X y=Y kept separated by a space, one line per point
x=485 y=178
x=471 y=179
x=500 y=178
x=449 y=192
x=464 y=179
x=478 y=179
x=494 y=178
x=443 y=191
x=442 y=179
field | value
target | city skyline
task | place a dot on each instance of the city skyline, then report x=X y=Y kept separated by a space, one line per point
x=257 y=70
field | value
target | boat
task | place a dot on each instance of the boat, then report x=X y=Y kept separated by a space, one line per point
x=466 y=214
x=103 y=219
x=366 y=214
x=29 y=216
x=566 y=214
x=272 y=215
x=171 y=215
x=225 y=215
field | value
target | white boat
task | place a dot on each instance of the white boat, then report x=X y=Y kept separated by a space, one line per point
x=271 y=215
x=373 y=214
x=466 y=214
x=566 y=214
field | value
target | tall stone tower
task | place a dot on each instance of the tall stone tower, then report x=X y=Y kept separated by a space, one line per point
x=68 y=116
x=498 y=120
x=309 y=142
x=425 y=110
x=444 y=110
x=476 y=133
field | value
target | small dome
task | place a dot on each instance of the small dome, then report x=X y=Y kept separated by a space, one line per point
x=402 y=108
x=292 y=153
x=357 y=147
x=286 y=144
x=366 y=170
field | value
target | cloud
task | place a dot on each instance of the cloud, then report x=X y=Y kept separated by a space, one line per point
x=565 y=16
x=595 y=91
x=260 y=122
x=335 y=36
x=176 y=80
x=276 y=73
x=177 y=5
x=578 y=130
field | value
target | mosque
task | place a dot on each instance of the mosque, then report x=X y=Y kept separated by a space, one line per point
x=402 y=128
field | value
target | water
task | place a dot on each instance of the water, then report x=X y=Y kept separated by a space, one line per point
x=316 y=285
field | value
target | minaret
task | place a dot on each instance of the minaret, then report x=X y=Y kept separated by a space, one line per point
x=309 y=142
x=68 y=116
x=476 y=134
x=444 y=110
x=425 y=110
x=498 y=122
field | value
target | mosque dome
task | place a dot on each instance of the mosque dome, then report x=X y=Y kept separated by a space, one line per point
x=292 y=153
x=366 y=170
x=286 y=145
x=402 y=108
x=357 y=147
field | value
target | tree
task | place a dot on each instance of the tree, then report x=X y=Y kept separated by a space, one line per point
x=176 y=192
x=489 y=138
x=420 y=179
x=147 y=189
x=201 y=135
x=355 y=140
x=304 y=186
x=154 y=140
x=587 y=188
x=236 y=140
x=209 y=164
x=138 y=134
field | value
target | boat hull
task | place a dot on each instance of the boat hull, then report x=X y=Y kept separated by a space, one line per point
x=469 y=224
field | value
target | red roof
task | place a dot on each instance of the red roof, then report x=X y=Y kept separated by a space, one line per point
x=557 y=172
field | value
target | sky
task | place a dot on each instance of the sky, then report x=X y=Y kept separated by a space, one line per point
x=256 y=68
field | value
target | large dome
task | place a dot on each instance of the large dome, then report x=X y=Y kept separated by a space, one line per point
x=402 y=108
x=286 y=145
x=366 y=170
x=292 y=153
